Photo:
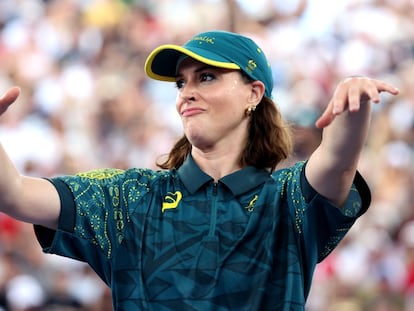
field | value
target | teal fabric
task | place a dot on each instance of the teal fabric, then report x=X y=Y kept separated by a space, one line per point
x=175 y=240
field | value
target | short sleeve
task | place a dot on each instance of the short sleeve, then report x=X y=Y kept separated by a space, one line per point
x=359 y=192
x=95 y=212
x=66 y=222
x=326 y=224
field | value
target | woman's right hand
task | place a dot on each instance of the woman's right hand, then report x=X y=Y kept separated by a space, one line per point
x=8 y=98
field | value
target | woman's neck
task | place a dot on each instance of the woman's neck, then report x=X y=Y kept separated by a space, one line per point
x=215 y=163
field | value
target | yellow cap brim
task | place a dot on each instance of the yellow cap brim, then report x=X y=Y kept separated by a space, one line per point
x=161 y=63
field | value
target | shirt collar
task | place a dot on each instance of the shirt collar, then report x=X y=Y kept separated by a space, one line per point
x=238 y=182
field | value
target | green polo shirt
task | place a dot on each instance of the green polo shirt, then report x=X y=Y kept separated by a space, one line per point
x=175 y=240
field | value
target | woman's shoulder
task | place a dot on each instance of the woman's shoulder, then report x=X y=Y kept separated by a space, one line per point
x=289 y=171
x=112 y=176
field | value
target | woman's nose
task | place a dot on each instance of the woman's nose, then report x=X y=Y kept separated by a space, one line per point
x=188 y=92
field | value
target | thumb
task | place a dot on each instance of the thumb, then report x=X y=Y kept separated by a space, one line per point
x=326 y=118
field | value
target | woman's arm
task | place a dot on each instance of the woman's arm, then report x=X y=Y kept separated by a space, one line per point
x=345 y=122
x=32 y=200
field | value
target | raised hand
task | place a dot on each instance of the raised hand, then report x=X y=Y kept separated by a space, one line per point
x=350 y=94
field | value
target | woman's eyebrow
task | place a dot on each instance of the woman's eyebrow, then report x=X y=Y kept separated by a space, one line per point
x=199 y=69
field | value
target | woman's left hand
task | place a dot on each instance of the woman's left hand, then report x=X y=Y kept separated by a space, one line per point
x=350 y=94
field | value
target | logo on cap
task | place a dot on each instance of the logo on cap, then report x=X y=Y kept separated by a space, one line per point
x=251 y=66
x=203 y=39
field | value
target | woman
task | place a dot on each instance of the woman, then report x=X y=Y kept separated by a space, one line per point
x=219 y=228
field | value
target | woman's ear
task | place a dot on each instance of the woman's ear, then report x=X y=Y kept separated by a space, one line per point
x=257 y=92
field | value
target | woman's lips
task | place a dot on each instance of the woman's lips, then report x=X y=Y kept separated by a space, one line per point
x=191 y=112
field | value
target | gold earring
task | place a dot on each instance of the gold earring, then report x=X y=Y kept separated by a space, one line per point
x=249 y=110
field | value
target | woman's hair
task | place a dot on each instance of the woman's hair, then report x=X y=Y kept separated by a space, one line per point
x=269 y=140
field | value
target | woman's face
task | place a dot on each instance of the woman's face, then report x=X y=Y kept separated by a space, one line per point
x=212 y=103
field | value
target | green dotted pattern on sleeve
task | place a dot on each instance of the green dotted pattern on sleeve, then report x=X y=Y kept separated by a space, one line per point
x=102 y=199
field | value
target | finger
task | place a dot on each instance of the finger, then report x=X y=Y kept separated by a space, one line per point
x=8 y=98
x=326 y=118
x=386 y=87
x=10 y=95
x=373 y=90
x=367 y=92
x=372 y=94
x=354 y=98
x=338 y=100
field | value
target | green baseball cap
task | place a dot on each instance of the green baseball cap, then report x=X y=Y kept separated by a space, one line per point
x=221 y=49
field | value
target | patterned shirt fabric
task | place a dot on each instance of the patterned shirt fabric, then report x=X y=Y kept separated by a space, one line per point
x=176 y=240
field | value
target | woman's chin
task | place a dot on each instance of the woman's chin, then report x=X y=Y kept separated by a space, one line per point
x=199 y=141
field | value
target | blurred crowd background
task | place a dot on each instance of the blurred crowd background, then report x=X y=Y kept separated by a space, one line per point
x=87 y=104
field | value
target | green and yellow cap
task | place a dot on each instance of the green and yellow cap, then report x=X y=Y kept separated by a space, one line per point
x=221 y=49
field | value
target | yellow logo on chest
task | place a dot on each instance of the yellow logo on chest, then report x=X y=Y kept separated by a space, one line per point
x=252 y=203
x=171 y=200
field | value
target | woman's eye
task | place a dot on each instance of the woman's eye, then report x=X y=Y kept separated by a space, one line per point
x=207 y=77
x=204 y=77
x=179 y=84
